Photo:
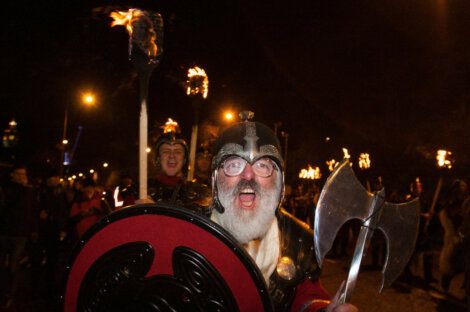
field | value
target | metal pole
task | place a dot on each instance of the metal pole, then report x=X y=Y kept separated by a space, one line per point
x=64 y=136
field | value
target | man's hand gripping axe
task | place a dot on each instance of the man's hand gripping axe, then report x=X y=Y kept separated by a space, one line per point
x=344 y=198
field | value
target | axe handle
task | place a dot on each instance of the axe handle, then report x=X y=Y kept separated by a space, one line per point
x=359 y=251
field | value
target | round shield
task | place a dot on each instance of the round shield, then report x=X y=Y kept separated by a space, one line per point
x=162 y=258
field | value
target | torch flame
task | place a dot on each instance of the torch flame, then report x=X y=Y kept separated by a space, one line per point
x=141 y=30
x=331 y=164
x=170 y=126
x=364 y=161
x=197 y=82
x=310 y=173
x=442 y=160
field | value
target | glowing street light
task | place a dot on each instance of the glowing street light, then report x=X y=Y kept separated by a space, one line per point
x=148 y=150
x=228 y=116
x=92 y=171
x=88 y=99
x=105 y=165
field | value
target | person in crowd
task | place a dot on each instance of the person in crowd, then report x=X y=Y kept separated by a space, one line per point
x=203 y=167
x=464 y=233
x=451 y=218
x=248 y=187
x=18 y=225
x=170 y=184
x=53 y=217
x=87 y=209
x=125 y=194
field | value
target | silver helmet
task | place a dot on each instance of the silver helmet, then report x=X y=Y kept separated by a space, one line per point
x=249 y=140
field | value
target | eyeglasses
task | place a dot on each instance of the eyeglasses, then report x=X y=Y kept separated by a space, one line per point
x=233 y=166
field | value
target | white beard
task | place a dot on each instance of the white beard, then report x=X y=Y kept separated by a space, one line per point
x=247 y=225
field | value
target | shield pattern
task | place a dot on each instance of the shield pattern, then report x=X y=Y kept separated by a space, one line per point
x=162 y=258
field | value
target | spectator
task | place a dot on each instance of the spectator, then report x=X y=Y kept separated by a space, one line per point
x=87 y=209
x=18 y=204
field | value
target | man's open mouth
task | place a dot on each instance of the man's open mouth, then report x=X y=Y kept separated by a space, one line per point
x=247 y=197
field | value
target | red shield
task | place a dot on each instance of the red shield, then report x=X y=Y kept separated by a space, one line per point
x=162 y=258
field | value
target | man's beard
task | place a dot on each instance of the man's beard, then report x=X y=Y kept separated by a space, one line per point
x=244 y=224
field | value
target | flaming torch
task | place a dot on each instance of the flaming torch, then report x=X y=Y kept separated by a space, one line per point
x=170 y=126
x=196 y=85
x=145 y=49
x=310 y=173
x=331 y=164
x=442 y=163
x=364 y=164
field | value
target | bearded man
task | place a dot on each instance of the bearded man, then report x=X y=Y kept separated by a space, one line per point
x=248 y=187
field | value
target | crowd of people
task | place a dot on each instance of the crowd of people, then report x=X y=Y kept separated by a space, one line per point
x=40 y=222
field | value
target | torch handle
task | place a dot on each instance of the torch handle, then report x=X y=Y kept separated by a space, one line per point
x=433 y=204
x=143 y=134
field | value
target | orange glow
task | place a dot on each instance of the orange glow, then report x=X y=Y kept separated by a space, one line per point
x=228 y=116
x=88 y=99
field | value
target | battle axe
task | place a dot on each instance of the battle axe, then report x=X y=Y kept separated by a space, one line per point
x=344 y=198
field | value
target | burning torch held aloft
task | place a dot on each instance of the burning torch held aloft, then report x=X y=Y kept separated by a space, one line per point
x=197 y=87
x=145 y=49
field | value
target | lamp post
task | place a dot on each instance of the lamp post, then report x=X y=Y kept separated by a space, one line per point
x=87 y=99
x=197 y=87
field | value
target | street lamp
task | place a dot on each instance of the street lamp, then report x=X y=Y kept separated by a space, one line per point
x=228 y=116
x=87 y=99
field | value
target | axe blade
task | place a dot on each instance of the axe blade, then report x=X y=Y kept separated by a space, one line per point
x=399 y=224
x=342 y=198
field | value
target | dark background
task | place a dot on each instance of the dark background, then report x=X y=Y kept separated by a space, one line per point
x=390 y=78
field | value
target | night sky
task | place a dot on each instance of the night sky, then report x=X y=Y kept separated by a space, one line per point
x=390 y=78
